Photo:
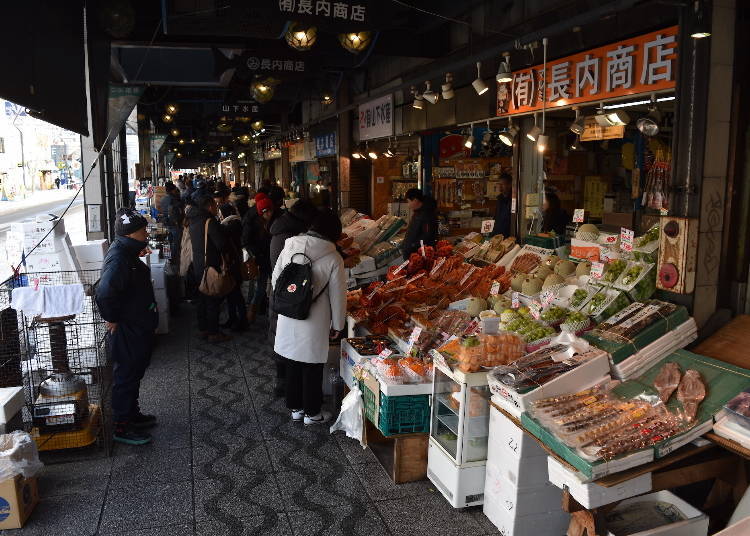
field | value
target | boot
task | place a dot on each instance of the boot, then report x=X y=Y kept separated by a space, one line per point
x=252 y=312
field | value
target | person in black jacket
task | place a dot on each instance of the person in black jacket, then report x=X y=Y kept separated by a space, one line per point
x=502 y=209
x=125 y=298
x=205 y=255
x=232 y=225
x=296 y=220
x=554 y=218
x=423 y=226
x=256 y=239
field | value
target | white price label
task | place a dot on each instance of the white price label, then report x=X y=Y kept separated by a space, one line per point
x=514 y=301
x=438 y=358
x=415 y=333
x=401 y=267
x=512 y=205
x=421 y=244
x=437 y=266
x=495 y=289
x=488 y=226
x=605 y=255
x=385 y=353
x=626 y=239
x=547 y=297
x=597 y=270
x=578 y=215
x=535 y=308
x=468 y=275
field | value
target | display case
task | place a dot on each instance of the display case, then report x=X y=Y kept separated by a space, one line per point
x=459 y=430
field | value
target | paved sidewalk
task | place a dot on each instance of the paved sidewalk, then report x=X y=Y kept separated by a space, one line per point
x=227 y=460
x=40 y=197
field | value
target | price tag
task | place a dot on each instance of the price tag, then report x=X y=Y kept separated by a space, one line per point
x=385 y=353
x=413 y=338
x=473 y=327
x=605 y=255
x=468 y=275
x=495 y=289
x=512 y=205
x=578 y=215
x=535 y=308
x=488 y=226
x=626 y=239
x=514 y=301
x=437 y=266
x=547 y=297
x=421 y=248
x=401 y=267
x=597 y=270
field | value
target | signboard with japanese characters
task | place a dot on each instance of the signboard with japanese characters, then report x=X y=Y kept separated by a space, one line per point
x=354 y=14
x=303 y=151
x=239 y=108
x=376 y=118
x=642 y=64
x=325 y=145
x=593 y=131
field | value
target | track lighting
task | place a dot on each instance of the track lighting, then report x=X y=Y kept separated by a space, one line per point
x=702 y=28
x=447 y=88
x=418 y=100
x=388 y=153
x=508 y=135
x=357 y=154
x=503 y=72
x=618 y=118
x=541 y=142
x=479 y=86
x=535 y=131
x=577 y=126
x=372 y=154
x=429 y=95
x=469 y=142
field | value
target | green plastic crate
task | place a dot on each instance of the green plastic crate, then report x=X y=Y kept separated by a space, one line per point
x=398 y=414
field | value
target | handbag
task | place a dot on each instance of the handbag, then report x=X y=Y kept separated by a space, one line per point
x=186 y=252
x=214 y=282
x=249 y=270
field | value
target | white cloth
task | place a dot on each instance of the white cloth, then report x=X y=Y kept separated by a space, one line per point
x=307 y=340
x=48 y=301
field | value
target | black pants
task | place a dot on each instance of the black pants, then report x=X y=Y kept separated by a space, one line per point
x=208 y=313
x=236 y=305
x=304 y=386
x=130 y=348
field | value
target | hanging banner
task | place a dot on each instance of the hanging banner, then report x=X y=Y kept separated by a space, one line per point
x=376 y=118
x=325 y=145
x=122 y=100
x=643 y=64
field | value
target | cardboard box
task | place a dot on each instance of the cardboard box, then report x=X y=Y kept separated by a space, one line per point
x=18 y=497
x=91 y=251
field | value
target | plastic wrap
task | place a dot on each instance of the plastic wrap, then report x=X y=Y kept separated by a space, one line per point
x=350 y=418
x=18 y=455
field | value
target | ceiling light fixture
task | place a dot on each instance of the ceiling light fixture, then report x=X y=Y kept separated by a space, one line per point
x=262 y=90
x=326 y=98
x=418 y=100
x=301 y=38
x=355 y=42
x=357 y=154
x=541 y=142
x=181 y=141
x=479 y=86
x=503 y=72
x=702 y=28
x=175 y=132
x=577 y=126
x=618 y=118
x=636 y=103
x=166 y=118
x=469 y=143
x=535 y=131
x=447 y=88
x=429 y=95
x=171 y=108
x=649 y=125
x=257 y=125
x=192 y=140
x=576 y=144
x=601 y=117
x=508 y=135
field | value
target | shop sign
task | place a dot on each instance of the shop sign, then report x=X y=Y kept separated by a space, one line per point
x=325 y=145
x=593 y=131
x=301 y=152
x=329 y=11
x=239 y=108
x=376 y=118
x=642 y=64
x=272 y=154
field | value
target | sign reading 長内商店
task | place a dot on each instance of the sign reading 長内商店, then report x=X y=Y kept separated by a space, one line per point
x=376 y=118
x=643 y=64
x=349 y=13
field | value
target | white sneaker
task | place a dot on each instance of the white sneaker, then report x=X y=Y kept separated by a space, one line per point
x=298 y=414
x=320 y=418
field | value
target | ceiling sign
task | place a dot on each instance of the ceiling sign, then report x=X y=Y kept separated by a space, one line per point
x=376 y=118
x=352 y=14
x=263 y=62
x=594 y=131
x=239 y=108
x=642 y=64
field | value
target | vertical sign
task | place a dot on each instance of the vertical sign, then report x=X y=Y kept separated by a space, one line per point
x=325 y=145
x=376 y=118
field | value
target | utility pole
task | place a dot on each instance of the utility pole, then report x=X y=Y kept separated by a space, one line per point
x=23 y=157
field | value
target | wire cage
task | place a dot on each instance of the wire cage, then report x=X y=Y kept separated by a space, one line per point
x=64 y=368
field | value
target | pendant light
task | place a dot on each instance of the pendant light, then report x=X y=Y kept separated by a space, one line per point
x=167 y=118
x=469 y=143
x=355 y=42
x=257 y=125
x=702 y=28
x=262 y=91
x=418 y=100
x=479 y=86
x=541 y=142
x=175 y=132
x=429 y=95
x=301 y=38
x=181 y=141
x=508 y=135
x=326 y=98
x=578 y=125
x=447 y=88
x=535 y=131
x=503 y=72
x=171 y=108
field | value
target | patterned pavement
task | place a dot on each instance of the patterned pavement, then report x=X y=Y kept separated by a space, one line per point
x=227 y=460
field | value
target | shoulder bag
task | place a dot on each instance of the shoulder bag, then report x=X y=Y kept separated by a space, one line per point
x=214 y=282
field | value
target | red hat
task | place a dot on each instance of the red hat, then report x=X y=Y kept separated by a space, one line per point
x=260 y=196
x=263 y=204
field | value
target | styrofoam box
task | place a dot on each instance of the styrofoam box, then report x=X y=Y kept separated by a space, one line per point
x=553 y=523
x=62 y=260
x=587 y=375
x=346 y=372
x=89 y=266
x=366 y=264
x=11 y=402
x=348 y=353
x=592 y=495
x=508 y=443
x=157 y=276
x=519 y=501
x=696 y=523
x=30 y=233
x=91 y=251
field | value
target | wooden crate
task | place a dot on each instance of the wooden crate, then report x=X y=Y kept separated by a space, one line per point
x=404 y=457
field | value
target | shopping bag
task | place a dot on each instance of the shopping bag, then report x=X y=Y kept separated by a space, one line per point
x=351 y=417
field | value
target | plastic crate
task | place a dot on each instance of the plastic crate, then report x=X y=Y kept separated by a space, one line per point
x=548 y=242
x=398 y=414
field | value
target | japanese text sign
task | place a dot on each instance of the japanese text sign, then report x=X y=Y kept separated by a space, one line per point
x=626 y=239
x=325 y=145
x=642 y=64
x=376 y=118
x=488 y=226
x=328 y=11
x=578 y=215
x=597 y=270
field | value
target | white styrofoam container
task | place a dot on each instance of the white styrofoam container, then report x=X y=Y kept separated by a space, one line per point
x=157 y=276
x=366 y=264
x=740 y=528
x=346 y=372
x=507 y=443
x=590 y=494
x=519 y=501
x=11 y=402
x=29 y=233
x=573 y=381
x=61 y=260
x=91 y=251
x=696 y=523
x=553 y=523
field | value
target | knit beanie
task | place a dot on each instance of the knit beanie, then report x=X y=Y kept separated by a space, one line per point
x=128 y=221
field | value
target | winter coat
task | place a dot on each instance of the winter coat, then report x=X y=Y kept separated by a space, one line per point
x=232 y=226
x=124 y=293
x=502 y=216
x=256 y=239
x=307 y=340
x=422 y=227
x=216 y=241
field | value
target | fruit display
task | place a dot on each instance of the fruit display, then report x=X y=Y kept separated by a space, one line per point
x=639 y=280
x=574 y=322
x=565 y=268
x=529 y=329
x=531 y=286
x=516 y=283
x=525 y=262
x=550 y=261
x=579 y=297
x=583 y=268
x=631 y=274
x=470 y=354
x=542 y=272
x=553 y=281
x=650 y=235
x=554 y=315
x=613 y=270
x=587 y=232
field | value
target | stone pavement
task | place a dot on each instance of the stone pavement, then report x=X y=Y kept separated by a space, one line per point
x=227 y=460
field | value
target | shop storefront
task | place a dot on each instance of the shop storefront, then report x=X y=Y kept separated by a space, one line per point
x=321 y=176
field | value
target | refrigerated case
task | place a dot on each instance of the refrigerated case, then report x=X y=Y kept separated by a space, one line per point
x=459 y=430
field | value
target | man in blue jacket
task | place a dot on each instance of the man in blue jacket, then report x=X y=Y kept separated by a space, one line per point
x=125 y=297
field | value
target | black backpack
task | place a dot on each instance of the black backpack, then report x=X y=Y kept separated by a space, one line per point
x=293 y=293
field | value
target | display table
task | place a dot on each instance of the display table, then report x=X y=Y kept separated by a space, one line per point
x=730 y=343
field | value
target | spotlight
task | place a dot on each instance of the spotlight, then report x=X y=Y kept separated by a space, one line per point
x=429 y=95
x=301 y=38
x=372 y=154
x=469 y=143
x=618 y=118
x=171 y=108
x=576 y=144
x=179 y=155
x=503 y=72
x=509 y=134
x=388 y=153
x=577 y=126
x=447 y=88
x=167 y=118
x=479 y=86
x=181 y=142
x=418 y=100
x=702 y=28
x=534 y=133
x=649 y=125
x=192 y=140
x=326 y=98
x=601 y=118
x=175 y=132
x=257 y=125
x=541 y=142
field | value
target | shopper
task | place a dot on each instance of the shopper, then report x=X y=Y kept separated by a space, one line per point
x=502 y=209
x=238 y=198
x=295 y=221
x=205 y=255
x=221 y=194
x=125 y=298
x=423 y=225
x=554 y=218
x=256 y=239
x=304 y=343
x=236 y=309
x=171 y=211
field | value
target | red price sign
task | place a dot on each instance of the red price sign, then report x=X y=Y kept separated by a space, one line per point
x=597 y=270
x=514 y=301
x=578 y=215
x=626 y=239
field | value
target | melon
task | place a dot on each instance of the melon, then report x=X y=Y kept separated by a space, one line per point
x=542 y=271
x=517 y=282
x=532 y=285
x=551 y=261
x=552 y=281
x=565 y=268
x=583 y=268
x=475 y=306
x=588 y=232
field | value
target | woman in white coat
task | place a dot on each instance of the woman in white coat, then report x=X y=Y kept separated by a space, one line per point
x=305 y=342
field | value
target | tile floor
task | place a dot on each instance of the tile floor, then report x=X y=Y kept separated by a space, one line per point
x=226 y=460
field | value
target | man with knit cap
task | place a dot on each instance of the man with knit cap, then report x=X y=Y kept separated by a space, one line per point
x=125 y=297
x=256 y=239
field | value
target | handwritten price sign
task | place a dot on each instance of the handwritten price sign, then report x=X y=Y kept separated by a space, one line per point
x=597 y=270
x=578 y=215
x=626 y=239
x=488 y=226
